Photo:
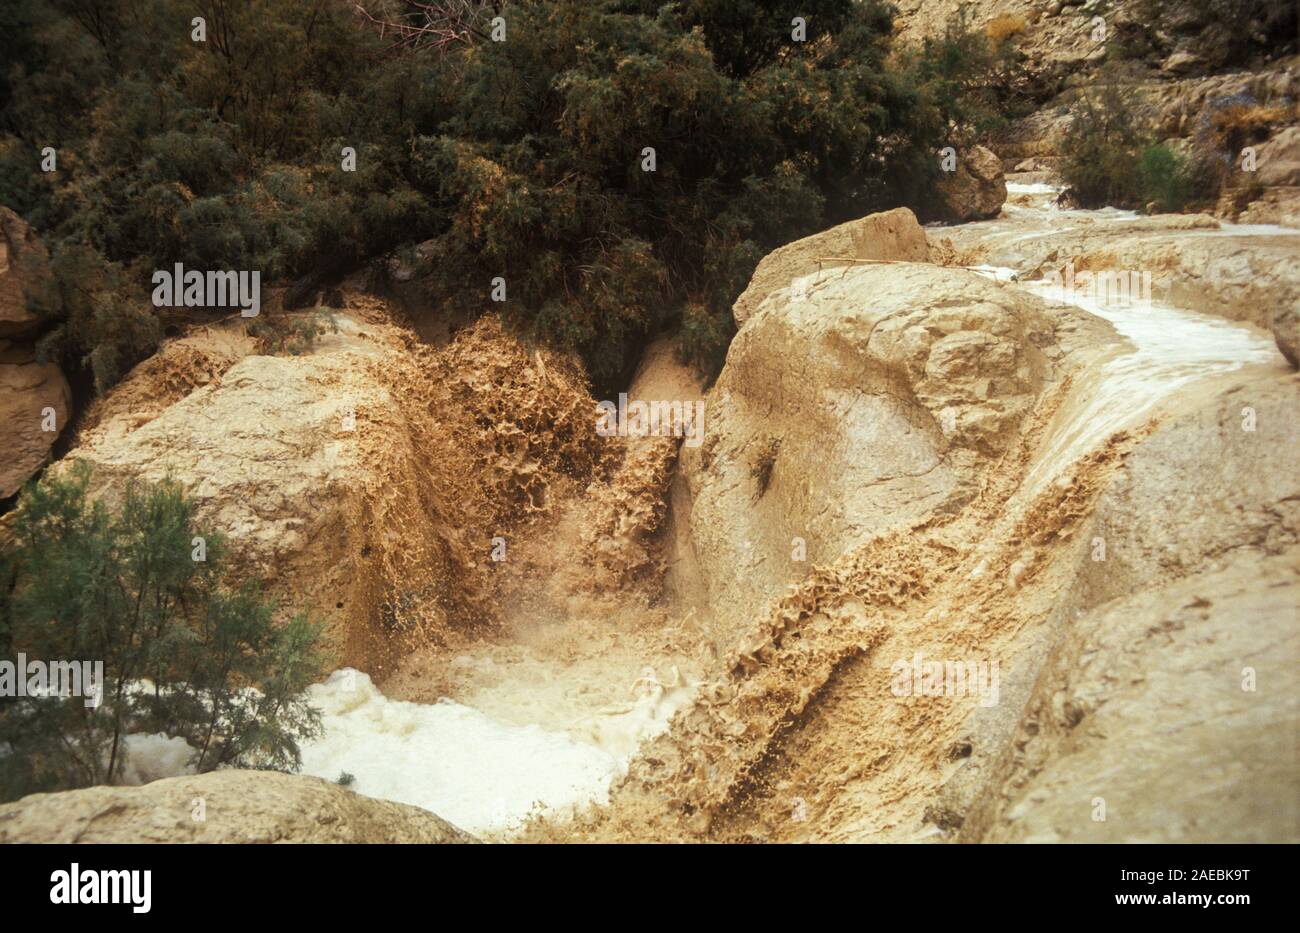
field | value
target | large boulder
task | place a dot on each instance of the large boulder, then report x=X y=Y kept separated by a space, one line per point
x=874 y=398
x=363 y=478
x=889 y=236
x=1278 y=160
x=1180 y=642
x=222 y=806
x=312 y=466
x=976 y=190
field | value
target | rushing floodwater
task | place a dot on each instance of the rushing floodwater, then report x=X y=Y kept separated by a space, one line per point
x=1171 y=348
x=480 y=773
x=486 y=775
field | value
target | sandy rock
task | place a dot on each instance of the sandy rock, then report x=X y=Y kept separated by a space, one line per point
x=1181 y=62
x=365 y=478
x=311 y=466
x=1278 y=160
x=977 y=189
x=1035 y=165
x=180 y=366
x=1169 y=646
x=237 y=806
x=27 y=392
x=1280 y=205
x=1194 y=262
x=28 y=389
x=874 y=399
x=890 y=235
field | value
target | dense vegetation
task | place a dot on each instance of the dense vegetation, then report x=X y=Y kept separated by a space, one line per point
x=520 y=158
x=138 y=588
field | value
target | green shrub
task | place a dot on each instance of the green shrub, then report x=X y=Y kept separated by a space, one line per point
x=182 y=654
x=1163 y=177
x=1100 y=150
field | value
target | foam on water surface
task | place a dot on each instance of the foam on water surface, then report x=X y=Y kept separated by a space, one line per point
x=483 y=774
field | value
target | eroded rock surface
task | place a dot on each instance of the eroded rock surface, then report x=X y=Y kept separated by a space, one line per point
x=1178 y=647
x=875 y=397
x=364 y=479
x=235 y=806
x=888 y=236
x=23 y=262
x=1192 y=261
x=35 y=403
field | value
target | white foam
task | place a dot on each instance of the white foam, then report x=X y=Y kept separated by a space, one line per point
x=480 y=773
x=149 y=757
x=1033 y=188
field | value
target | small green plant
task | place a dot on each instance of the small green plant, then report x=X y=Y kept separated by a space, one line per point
x=346 y=779
x=138 y=588
x=971 y=78
x=1164 y=178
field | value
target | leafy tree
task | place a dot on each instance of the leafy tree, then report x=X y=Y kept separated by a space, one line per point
x=183 y=655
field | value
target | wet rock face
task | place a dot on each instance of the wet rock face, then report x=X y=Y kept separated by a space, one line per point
x=1193 y=260
x=976 y=190
x=306 y=464
x=1170 y=644
x=873 y=396
x=363 y=479
x=237 y=806
x=893 y=236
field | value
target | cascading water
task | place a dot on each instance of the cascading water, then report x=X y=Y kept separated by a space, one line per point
x=539 y=743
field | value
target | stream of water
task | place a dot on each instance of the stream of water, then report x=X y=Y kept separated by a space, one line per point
x=486 y=773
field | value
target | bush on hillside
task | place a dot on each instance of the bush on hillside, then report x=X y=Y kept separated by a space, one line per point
x=1100 y=149
x=1164 y=179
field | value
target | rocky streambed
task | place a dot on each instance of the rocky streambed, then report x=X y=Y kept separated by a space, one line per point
x=924 y=448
